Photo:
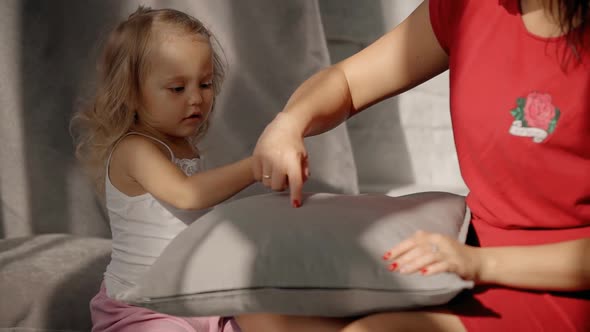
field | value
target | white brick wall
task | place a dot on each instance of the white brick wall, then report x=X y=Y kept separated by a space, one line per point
x=403 y=144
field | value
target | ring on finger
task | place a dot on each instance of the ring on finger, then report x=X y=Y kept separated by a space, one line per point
x=266 y=176
x=433 y=248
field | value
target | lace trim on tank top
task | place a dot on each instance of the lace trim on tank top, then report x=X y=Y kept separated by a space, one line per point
x=189 y=166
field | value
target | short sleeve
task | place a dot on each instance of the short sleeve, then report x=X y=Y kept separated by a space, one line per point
x=445 y=16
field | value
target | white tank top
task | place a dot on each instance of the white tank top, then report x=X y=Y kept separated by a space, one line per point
x=142 y=226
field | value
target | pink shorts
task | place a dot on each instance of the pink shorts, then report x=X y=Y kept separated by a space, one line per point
x=109 y=315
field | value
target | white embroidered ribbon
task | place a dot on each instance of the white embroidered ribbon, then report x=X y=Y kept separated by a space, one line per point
x=537 y=134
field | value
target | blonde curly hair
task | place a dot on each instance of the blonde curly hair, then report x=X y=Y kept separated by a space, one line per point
x=121 y=67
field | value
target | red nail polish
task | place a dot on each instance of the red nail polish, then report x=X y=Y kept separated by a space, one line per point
x=386 y=256
x=393 y=266
x=423 y=271
x=296 y=203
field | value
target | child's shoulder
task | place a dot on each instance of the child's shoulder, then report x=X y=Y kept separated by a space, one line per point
x=133 y=145
x=127 y=155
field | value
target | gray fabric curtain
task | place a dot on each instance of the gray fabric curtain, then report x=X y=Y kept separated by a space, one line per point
x=47 y=59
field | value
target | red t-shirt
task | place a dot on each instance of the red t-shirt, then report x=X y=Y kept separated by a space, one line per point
x=521 y=123
x=522 y=130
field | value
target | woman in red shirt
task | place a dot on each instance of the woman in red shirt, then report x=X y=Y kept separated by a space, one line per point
x=520 y=107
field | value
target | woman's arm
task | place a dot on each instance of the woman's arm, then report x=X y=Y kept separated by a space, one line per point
x=401 y=59
x=563 y=266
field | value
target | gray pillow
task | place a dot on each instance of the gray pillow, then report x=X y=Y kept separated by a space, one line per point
x=258 y=254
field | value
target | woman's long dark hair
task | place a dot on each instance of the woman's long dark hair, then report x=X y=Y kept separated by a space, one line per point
x=573 y=18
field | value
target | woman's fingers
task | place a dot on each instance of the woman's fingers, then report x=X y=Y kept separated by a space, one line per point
x=305 y=166
x=278 y=181
x=414 y=259
x=267 y=173
x=421 y=259
x=418 y=254
x=281 y=170
x=435 y=268
x=280 y=159
x=295 y=175
x=432 y=253
x=400 y=249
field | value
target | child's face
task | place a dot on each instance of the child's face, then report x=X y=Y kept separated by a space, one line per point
x=177 y=92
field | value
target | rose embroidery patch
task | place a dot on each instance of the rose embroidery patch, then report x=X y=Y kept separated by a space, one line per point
x=535 y=117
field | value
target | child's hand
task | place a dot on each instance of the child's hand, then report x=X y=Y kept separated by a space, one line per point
x=430 y=253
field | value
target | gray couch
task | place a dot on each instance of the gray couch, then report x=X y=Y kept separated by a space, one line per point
x=47 y=280
x=54 y=236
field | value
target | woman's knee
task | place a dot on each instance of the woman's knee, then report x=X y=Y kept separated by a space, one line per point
x=412 y=321
x=262 y=322
x=285 y=323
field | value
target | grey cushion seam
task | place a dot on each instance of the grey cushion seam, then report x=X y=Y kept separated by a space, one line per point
x=224 y=294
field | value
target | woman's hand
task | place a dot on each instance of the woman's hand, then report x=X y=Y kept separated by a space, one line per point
x=431 y=253
x=280 y=158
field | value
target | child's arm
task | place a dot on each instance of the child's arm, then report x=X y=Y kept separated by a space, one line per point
x=144 y=162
